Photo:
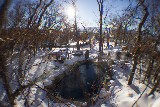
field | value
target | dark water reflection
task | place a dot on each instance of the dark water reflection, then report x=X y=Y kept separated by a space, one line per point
x=81 y=84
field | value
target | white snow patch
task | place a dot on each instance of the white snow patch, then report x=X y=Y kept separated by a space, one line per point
x=156 y=103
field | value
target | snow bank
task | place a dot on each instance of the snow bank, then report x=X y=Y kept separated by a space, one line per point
x=104 y=94
x=126 y=102
x=63 y=105
x=156 y=103
x=112 y=83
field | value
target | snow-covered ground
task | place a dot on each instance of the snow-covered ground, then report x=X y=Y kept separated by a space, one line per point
x=119 y=94
x=123 y=95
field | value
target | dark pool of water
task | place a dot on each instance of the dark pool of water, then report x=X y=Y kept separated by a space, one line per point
x=80 y=84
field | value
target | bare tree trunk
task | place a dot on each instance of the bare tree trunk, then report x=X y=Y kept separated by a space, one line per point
x=133 y=70
x=155 y=86
x=4 y=71
x=100 y=4
x=100 y=39
x=3 y=11
x=149 y=69
x=5 y=78
x=75 y=24
x=138 y=43
x=124 y=36
x=156 y=74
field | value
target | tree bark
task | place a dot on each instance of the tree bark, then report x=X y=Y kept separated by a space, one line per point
x=138 y=46
x=5 y=78
x=149 y=69
x=155 y=86
x=100 y=4
x=3 y=11
x=3 y=69
x=133 y=70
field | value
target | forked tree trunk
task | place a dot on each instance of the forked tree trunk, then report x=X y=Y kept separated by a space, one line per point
x=100 y=4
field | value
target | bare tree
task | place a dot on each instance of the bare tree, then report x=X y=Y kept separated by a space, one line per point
x=100 y=4
x=76 y=33
x=19 y=44
x=138 y=46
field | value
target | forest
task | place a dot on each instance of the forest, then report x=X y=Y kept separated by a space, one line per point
x=46 y=60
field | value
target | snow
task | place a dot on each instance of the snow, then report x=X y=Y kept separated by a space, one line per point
x=112 y=83
x=84 y=104
x=63 y=105
x=126 y=95
x=156 y=103
x=43 y=71
x=104 y=94
x=126 y=102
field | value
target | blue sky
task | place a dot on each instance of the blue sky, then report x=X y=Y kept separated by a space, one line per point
x=88 y=13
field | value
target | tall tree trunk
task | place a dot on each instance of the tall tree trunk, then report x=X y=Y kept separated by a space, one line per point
x=100 y=39
x=3 y=63
x=138 y=46
x=3 y=11
x=75 y=24
x=133 y=70
x=149 y=69
x=155 y=86
x=5 y=78
x=156 y=74
x=100 y=4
